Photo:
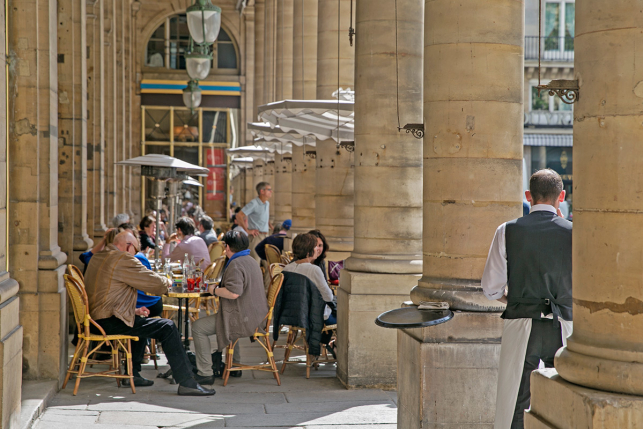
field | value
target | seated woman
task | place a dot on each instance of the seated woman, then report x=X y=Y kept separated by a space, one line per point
x=184 y=241
x=322 y=248
x=276 y=239
x=305 y=250
x=147 y=233
x=243 y=307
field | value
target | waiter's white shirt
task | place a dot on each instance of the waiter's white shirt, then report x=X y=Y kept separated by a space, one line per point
x=515 y=334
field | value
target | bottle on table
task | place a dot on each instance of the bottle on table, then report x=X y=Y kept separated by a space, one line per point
x=186 y=271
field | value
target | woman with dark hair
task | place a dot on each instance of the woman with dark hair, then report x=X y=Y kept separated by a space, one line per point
x=147 y=233
x=183 y=242
x=306 y=251
x=321 y=247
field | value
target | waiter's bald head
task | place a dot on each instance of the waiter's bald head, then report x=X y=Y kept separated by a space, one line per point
x=545 y=186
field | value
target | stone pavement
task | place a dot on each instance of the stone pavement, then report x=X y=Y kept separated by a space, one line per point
x=252 y=401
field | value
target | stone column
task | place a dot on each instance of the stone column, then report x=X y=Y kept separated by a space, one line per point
x=257 y=171
x=269 y=63
x=11 y=330
x=604 y=353
x=249 y=184
x=387 y=258
x=95 y=122
x=304 y=88
x=110 y=109
x=335 y=167
x=269 y=176
x=303 y=188
x=35 y=259
x=284 y=50
x=473 y=117
x=260 y=49
x=282 y=188
x=72 y=124
x=249 y=109
x=120 y=123
x=304 y=66
x=135 y=100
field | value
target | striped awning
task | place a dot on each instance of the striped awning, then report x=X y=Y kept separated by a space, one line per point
x=152 y=86
x=551 y=140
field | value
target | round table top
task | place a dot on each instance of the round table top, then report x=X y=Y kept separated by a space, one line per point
x=411 y=317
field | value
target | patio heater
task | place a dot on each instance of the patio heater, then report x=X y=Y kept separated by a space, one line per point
x=162 y=169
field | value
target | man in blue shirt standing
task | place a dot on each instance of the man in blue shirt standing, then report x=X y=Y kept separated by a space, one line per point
x=254 y=218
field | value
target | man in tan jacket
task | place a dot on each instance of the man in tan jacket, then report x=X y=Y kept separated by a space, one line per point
x=112 y=279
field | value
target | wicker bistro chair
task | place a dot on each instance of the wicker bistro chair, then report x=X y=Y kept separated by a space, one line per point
x=211 y=303
x=296 y=333
x=216 y=250
x=119 y=343
x=273 y=255
x=276 y=269
x=263 y=339
x=75 y=272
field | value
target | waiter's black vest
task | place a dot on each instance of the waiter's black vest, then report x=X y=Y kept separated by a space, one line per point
x=539 y=265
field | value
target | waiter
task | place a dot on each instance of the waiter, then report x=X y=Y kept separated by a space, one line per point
x=529 y=268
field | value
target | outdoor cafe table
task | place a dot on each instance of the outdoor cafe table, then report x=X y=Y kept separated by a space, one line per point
x=184 y=298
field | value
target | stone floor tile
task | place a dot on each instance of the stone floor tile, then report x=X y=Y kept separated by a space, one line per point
x=313 y=395
x=319 y=419
x=331 y=407
x=126 y=418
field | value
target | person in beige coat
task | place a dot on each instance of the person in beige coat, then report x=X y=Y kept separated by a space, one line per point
x=242 y=308
x=112 y=279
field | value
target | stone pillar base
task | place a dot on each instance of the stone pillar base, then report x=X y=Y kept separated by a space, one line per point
x=367 y=354
x=558 y=404
x=10 y=352
x=447 y=374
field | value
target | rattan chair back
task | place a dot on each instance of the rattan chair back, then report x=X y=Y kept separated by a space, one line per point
x=78 y=299
x=273 y=255
x=216 y=249
x=75 y=272
x=276 y=269
x=217 y=268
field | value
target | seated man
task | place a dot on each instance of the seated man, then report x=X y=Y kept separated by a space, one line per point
x=242 y=308
x=276 y=240
x=189 y=243
x=205 y=230
x=113 y=278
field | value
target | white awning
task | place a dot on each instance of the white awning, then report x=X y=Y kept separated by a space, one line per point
x=551 y=140
x=263 y=130
x=259 y=150
x=322 y=119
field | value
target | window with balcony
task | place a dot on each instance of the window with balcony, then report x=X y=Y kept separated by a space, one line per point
x=171 y=41
x=558 y=28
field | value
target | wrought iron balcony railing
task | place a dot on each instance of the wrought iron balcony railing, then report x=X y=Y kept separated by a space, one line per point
x=547 y=119
x=551 y=48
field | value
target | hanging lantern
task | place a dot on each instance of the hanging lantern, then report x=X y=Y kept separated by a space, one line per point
x=198 y=63
x=204 y=18
x=192 y=95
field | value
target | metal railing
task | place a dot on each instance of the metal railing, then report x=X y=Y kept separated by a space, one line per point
x=551 y=48
x=547 y=119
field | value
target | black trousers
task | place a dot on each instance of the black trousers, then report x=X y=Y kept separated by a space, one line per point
x=162 y=330
x=544 y=341
x=137 y=359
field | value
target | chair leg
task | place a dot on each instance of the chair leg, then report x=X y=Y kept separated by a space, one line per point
x=290 y=344
x=153 y=355
x=271 y=359
x=228 y=363
x=130 y=369
x=83 y=364
x=74 y=362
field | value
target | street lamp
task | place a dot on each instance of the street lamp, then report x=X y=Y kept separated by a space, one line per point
x=198 y=62
x=192 y=95
x=204 y=18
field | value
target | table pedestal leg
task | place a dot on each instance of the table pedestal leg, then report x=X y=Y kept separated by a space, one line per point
x=187 y=326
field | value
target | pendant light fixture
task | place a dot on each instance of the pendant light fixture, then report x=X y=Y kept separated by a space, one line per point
x=204 y=22
x=192 y=95
x=198 y=62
